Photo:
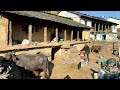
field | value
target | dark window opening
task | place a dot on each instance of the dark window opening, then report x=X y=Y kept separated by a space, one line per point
x=85 y=22
x=104 y=37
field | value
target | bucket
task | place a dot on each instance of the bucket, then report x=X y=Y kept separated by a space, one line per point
x=95 y=76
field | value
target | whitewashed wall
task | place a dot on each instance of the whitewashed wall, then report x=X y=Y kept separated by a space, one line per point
x=99 y=37
x=114 y=21
x=114 y=28
x=89 y=22
x=69 y=15
x=92 y=36
x=82 y=21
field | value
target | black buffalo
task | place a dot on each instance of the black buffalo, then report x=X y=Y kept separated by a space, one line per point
x=30 y=62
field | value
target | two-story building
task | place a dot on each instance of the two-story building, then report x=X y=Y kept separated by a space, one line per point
x=40 y=28
x=101 y=28
x=115 y=20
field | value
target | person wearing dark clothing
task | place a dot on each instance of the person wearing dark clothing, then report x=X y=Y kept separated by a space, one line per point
x=86 y=48
x=52 y=36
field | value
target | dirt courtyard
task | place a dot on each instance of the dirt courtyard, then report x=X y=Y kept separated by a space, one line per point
x=61 y=69
x=62 y=66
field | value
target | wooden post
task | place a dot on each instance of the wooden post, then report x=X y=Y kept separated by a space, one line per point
x=95 y=31
x=30 y=33
x=71 y=35
x=119 y=52
x=105 y=27
x=113 y=47
x=102 y=27
x=108 y=27
x=98 y=27
x=95 y=26
x=10 y=33
x=45 y=34
x=78 y=35
x=65 y=35
x=56 y=30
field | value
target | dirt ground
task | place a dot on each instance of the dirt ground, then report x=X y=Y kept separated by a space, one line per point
x=63 y=66
x=61 y=69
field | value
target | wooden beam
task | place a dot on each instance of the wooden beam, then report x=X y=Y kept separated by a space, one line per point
x=65 y=35
x=30 y=33
x=10 y=33
x=45 y=34
x=78 y=35
x=71 y=35
x=56 y=31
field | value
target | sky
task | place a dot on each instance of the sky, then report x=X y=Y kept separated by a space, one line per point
x=107 y=14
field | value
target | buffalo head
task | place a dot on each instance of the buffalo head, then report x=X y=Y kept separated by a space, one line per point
x=10 y=56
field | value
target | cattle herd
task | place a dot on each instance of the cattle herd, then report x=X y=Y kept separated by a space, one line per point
x=24 y=66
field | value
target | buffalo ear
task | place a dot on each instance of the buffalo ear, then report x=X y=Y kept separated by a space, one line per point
x=13 y=52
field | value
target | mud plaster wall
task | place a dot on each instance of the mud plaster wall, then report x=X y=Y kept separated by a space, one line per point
x=3 y=31
x=86 y=35
x=108 y=46
x=45 y=51
x=50 y=31
x=61 y=33
x=68 y=34
x=18 y=34
x=38 y=36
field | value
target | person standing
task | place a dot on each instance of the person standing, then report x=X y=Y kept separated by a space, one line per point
x=86 y=48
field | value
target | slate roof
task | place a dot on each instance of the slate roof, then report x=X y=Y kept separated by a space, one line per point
x=45 y=16
x=91 y=17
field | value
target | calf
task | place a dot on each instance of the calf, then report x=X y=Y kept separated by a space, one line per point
x=95 y=49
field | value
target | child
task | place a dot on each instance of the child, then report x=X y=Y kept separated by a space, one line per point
x=83 y=55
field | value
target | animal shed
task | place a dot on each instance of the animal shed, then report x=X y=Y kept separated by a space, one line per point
x=15 y=28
